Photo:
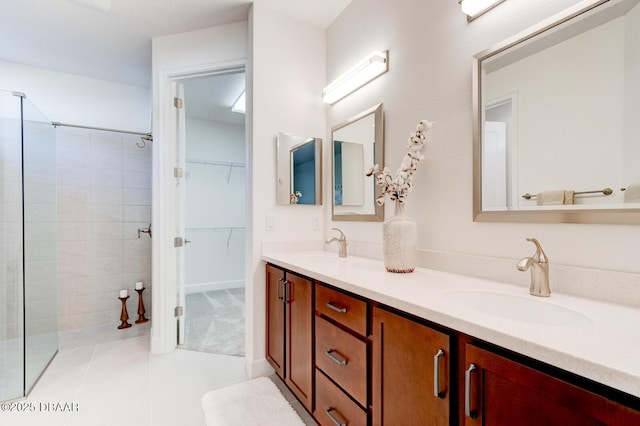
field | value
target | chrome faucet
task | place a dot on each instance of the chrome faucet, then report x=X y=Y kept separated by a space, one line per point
x=342 y=243
x=539 y=264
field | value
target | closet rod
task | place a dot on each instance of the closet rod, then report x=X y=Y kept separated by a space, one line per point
x=58 y=124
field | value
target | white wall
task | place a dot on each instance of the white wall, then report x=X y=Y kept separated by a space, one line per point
x=287 y=76
x=74 y=99
x=631 y=96
x=431 y=46
x=215 y=206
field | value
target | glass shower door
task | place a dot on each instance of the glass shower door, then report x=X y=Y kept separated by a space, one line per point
x=11 y=295
x=28 y=245
x=40 y=242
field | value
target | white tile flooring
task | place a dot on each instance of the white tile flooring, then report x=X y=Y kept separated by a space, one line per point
x=119 y=382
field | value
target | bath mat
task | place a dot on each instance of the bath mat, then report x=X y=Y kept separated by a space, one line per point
x=256 y=402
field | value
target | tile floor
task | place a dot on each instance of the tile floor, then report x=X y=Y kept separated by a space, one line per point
x=120 y=382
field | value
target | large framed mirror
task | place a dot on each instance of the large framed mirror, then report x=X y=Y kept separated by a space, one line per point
x=357 y=144
x=299 y=169
x=556 y=128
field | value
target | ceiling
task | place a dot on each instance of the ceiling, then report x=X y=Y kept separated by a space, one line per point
x=210 y=98
x=111 y=39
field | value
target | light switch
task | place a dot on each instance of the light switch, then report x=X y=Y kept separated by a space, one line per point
x=271 y=223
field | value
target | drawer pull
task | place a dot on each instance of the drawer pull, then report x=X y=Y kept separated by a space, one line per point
x=330 y=305
x=336 y=357
x=436 y=374
x=279 y=285
x=335 y=418
x=467 y=392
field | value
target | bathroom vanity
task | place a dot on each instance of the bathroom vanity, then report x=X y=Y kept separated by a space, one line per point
x=361 y=346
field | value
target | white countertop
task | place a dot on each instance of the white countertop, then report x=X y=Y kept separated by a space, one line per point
x=606 y=348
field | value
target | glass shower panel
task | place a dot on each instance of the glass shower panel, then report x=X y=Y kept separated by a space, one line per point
x=11 y=296
x=40 y=242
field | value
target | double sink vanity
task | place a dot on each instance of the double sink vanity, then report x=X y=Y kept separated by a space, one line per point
x=358 y=345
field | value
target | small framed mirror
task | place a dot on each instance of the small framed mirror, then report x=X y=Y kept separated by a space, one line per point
x=555 y=128
x=357 y=144
x=299 y=169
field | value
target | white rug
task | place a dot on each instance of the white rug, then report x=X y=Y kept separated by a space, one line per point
x=256 y=402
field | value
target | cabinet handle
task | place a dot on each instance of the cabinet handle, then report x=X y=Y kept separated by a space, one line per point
x=335 y=418
x=285 y=299
x=467 y=392
x=336 y=357
x=278 y=286
x=436 y=374
x=330 y=305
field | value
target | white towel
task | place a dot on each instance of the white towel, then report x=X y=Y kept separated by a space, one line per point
x=632 y=193
x=548 y=198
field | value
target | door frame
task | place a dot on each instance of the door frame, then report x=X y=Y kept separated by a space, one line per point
x=163 y=259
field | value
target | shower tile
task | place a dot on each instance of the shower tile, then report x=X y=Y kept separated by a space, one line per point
x=139 y=180
x=41 y=251
x=138 y=247
x=44 y=212
x=108 y=283
x=36 y=174
x=106 y=195
x=73 y=194
x=73 y=251
x=136 y=264
x=106 y=151
x=106 y=265
x=107 y=212
x=77 y=176
x=105 y=231
x=131 y=231
x=106 y=177
x=73 y=231
x=137 y=161
x=137 y=214
x=137 y=197
x=106 y=248
x=73 y=213
x=73 y=268
x=40 y=232
x=40 y=271
x=39 y=193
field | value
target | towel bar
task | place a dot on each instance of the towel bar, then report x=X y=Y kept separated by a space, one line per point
x=605 y=191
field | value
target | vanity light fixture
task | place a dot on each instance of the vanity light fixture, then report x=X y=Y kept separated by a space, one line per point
x=240 y=104
x=374 y=65
x=475 y=8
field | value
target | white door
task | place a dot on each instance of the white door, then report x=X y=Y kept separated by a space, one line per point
x=179 y=117
x=494 y=166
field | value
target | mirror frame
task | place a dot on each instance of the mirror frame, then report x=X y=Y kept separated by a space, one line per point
x=317 y=148
x=378 y=215
x=619 y=216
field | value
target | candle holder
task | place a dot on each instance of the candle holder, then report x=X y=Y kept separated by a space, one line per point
x=141 y=319
x=124 y=316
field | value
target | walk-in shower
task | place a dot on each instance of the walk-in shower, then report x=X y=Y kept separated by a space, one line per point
x=28 y=235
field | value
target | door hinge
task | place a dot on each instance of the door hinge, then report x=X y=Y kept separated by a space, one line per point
x=178 y=242
x=178 y=311
x=178 y=172
x=177 y=102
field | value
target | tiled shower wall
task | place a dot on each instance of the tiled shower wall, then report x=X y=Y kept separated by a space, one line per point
x=104 y=196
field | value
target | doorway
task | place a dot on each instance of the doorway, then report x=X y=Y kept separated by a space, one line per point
x=213 y=290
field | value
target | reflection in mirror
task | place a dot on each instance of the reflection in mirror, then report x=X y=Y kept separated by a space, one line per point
x=357 y=144
x=299 y=169
x=556 y=134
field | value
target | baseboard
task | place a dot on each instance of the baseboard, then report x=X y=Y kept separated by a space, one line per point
x=213 y=286
x=259 y=368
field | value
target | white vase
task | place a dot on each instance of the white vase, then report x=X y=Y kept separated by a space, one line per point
x=399 y=242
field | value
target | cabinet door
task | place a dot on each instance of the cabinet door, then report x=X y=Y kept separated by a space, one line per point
x=299 y=333
x=275 y=346
x=501 y=391
x=405 y=356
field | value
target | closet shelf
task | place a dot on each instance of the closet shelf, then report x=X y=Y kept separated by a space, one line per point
x=228 y=164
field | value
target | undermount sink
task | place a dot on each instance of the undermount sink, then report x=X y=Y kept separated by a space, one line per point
x=518 y=308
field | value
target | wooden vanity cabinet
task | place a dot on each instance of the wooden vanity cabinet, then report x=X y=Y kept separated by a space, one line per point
x=342 y=358
x=289 y=339
x=500 y=391
x=410 y=371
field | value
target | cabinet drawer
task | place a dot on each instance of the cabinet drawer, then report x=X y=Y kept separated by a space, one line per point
x=347 y=310
x=343 y=357
x=331 y=401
